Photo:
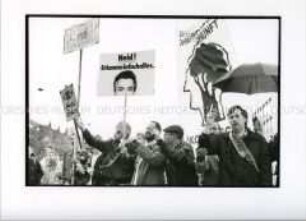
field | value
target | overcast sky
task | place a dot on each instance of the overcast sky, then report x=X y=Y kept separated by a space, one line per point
x=250 y=41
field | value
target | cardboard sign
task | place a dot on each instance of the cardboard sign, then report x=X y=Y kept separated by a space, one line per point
x=81 y=35
x=69 y=102
x=131 y=72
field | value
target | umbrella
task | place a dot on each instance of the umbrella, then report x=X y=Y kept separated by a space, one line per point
x=250 y=79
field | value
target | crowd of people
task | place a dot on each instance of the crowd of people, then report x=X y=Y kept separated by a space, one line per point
x=236 y=157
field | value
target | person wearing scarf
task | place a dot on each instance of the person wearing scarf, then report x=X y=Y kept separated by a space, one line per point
x=244 y=155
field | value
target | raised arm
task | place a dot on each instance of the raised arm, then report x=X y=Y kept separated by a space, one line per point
x=93 y=141
x=210 y=142
x=96 y=142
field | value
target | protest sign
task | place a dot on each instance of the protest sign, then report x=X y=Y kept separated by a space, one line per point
x=131 y=72
x=81 y=35
x=69 y=102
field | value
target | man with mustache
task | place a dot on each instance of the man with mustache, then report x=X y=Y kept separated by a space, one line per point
x=150 y=163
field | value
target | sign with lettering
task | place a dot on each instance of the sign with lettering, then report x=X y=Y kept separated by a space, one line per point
x=131 y=73
x=69 y=102
x=200 y=33
x=81 y=35
x=205 y=55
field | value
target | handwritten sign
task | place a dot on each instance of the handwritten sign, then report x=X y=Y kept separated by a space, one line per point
x=199 y=34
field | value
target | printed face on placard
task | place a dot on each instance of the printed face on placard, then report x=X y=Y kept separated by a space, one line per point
x=130 y=73
x=123 y=86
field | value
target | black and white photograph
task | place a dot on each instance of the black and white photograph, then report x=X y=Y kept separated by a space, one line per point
x=152 y=110
x=153 y=101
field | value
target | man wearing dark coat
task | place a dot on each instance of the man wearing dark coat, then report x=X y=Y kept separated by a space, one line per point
x=180 y=158
x=150 y=162
x=115 y=166
x=244 y=155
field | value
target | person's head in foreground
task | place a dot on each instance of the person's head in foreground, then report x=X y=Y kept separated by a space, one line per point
x=173 y=134
x=238 y=118
x=153 y=131
x=121 y=129
x=214 y=128
x=125 y=83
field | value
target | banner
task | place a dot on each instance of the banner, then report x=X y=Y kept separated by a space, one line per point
x=204 y=58
x=131 y=73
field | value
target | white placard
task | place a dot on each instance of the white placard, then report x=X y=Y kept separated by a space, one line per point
x=81 y=35
x=123 y=70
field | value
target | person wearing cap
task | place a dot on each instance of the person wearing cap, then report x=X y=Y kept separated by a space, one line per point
x=115 y=166
x=180 y=158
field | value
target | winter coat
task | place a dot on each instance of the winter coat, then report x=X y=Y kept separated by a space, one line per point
x=180 y=165
x=150 y=166
x=237 y=171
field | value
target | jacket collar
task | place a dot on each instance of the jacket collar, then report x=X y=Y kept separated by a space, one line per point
x=251 y=135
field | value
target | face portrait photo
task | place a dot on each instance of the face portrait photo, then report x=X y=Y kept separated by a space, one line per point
x=125 y=83
x=125 y=72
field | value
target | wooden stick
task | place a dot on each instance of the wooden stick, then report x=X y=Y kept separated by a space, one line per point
x=124 y=115
x=74 y=120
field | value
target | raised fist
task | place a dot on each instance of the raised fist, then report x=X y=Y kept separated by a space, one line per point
x=209 y=63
